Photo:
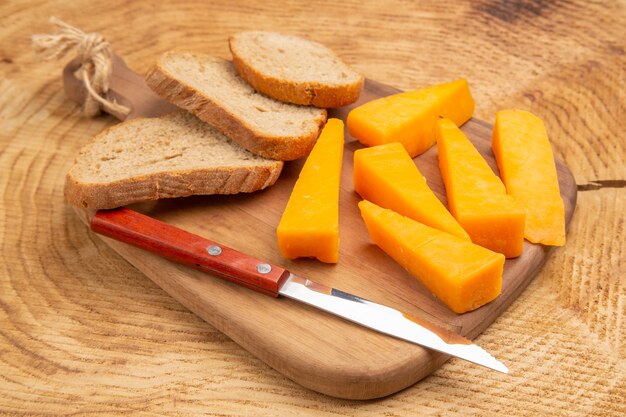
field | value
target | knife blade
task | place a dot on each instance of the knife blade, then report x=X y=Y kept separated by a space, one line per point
x=178 y=245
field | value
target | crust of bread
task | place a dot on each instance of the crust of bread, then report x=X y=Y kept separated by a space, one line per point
x=167 y=185
x=175 y=183
x=316 y=94
x=280 y=148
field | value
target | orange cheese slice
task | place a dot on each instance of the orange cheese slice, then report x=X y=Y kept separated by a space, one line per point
x=463 y=275
x=476 y=196
x=410 y=118
x=522 y=149
x=386 y=175
x=309 y=226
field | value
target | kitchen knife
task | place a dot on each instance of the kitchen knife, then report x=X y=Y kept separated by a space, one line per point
x=178 y=245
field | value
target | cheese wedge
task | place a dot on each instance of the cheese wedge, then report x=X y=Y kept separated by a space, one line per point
x=476 y=196
x=387 y=176
x=410 y=118
x=463 y=275
x=522 y=149
x=309 y=226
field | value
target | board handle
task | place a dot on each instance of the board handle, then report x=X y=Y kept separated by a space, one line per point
x=178 y=245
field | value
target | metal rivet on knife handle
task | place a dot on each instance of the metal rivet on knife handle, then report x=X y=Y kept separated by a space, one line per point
x=263 y=268
x=214 y=250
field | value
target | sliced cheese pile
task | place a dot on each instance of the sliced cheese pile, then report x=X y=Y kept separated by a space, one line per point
x=409 y=118
x=522 y=149
x=476 y=196
x=458 y=254
x=386 y=175
x=471 y=280
x=309 y=226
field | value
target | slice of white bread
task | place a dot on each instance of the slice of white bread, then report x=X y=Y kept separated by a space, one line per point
x=210 y=88
x=175 y=155
x=294 y=70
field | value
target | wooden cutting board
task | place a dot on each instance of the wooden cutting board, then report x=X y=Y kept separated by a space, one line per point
x=314 y=348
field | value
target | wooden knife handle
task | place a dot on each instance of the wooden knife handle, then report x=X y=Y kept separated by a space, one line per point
x=189 y=249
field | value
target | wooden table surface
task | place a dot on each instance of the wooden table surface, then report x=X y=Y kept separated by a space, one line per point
x=82 y=332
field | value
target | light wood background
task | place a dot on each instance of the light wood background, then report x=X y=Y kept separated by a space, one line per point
x=82 y=332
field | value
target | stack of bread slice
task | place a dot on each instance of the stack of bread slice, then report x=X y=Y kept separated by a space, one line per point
x=238 y=121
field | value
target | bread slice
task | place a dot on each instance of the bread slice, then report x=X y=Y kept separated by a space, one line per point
x=294 y=70
x=210 y=88
x=174 y=155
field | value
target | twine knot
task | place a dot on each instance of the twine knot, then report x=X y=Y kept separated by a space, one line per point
x=95 y=56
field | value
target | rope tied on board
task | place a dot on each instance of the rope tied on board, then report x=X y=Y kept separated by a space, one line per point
x=95 y=56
